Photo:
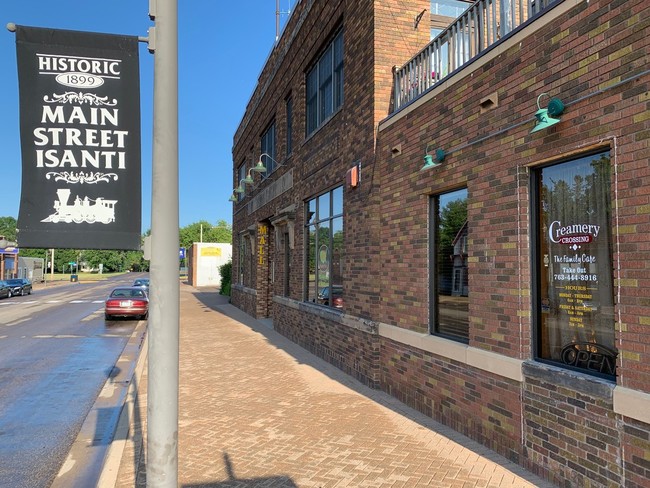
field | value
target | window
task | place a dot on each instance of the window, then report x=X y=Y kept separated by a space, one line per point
x=449 y=8
x=574 y=304
x=449 y=285
x=241 y=174
x=289 y=107
x=324 y=228
x=268 y=148
x=325 y=85
x=243 y=257
x=287 y=264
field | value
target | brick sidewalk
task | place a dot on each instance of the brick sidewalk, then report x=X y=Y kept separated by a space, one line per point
x=258 y=411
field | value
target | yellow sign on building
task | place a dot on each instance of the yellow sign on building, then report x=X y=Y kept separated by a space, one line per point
x=211 y=251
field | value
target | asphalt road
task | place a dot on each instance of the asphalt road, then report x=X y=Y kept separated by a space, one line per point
x=56 y=352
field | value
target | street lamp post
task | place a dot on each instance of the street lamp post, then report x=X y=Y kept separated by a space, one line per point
x=162 y=397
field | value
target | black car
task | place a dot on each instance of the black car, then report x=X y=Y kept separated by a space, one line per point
x=5 y=289
x=142 y=283
x=336 y=298
x=20 y=286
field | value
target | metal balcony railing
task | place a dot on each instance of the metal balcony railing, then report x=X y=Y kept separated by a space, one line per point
x=479 y=28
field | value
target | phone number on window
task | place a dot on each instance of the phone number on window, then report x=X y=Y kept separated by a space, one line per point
x=575 y=277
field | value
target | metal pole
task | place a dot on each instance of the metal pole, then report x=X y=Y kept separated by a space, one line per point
x=162 y=397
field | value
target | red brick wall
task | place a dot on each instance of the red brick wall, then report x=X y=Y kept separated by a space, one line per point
x=321 y=161
x=561 y=429
x=475 y=403
x=635 y=436
x=352 y=350
x=572 y=434
x=570 y=431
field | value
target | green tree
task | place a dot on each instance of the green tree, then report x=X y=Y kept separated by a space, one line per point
x=203 y=231
x=226 y=278
x=62 y=258
x=111 y=261
x=8 y=228
x=452 y=218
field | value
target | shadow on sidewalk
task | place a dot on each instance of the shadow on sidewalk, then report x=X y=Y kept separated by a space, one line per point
x=137 y=435
x=221 y=304
x=233 y=481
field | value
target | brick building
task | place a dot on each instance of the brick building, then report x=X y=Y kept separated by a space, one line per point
x=500 y=285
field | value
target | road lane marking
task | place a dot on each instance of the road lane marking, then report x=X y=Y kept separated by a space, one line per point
x=31 y=302
x=93 y=315
x=17 y=322
x=58 y=336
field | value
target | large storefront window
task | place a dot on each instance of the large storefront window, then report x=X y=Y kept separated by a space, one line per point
x=324 y=228
x=448 y=257
x=574 y=297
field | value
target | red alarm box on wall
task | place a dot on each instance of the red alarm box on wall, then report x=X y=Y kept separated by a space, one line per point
x=352 y=176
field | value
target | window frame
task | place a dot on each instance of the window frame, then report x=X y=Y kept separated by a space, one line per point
x=268 y=146
x=536 y=268
x=434 y=271
x=324 y=85
x=289 y=127
x=334 y=218
x=243 y=253
x=241 y=174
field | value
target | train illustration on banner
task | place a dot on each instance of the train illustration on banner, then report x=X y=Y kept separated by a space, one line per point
x=82 y=210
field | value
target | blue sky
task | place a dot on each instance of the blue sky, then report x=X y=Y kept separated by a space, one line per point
x=222 y=48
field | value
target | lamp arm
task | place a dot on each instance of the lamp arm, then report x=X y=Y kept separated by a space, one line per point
x=539 y=97
x=269 y=156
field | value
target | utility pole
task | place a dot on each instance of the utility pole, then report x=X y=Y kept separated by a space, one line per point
x=279 y=12
x=164 y=318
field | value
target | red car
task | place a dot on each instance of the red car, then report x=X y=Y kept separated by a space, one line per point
x=127 y=301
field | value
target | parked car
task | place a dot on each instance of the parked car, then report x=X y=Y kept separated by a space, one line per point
x=143 y=283
x=127 y=301
x=336 y=298
x=20 y=286
x=5 y=289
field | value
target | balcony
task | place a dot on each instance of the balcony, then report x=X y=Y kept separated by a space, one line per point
x=482 y=26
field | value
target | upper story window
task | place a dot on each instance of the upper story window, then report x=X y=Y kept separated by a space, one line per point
x=289 y=111
x=268 y=148
x=448 y=256
x=444 y=13
x=325 y=85
x=241 y=174
x=449 y=8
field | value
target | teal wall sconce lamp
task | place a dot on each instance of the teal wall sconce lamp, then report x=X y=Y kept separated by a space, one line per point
x=429 y=161
x=546 y=117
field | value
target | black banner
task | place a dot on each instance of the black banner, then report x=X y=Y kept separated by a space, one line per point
x=80 y=140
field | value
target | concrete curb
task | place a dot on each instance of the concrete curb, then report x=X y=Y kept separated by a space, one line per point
x=96 y=452
x=113 y=459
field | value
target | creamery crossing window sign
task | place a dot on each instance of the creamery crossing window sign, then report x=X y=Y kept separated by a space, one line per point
x=575 y=301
